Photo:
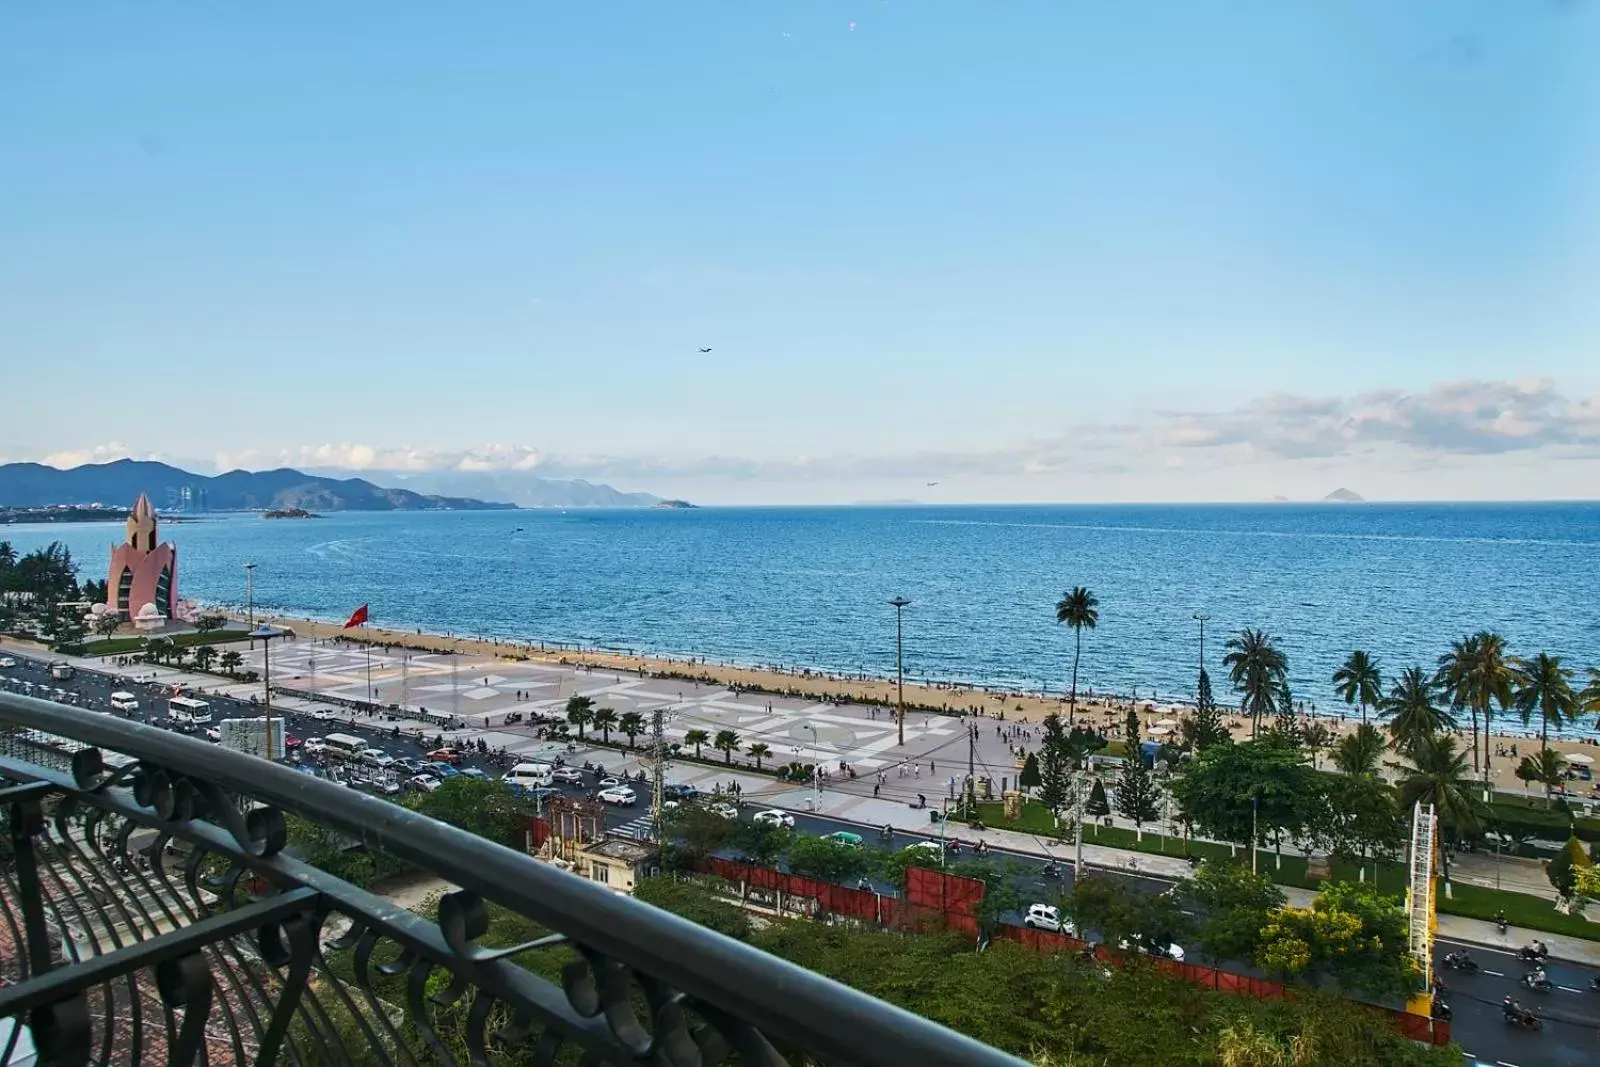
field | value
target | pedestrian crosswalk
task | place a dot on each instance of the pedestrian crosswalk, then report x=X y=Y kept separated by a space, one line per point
x=638 y=829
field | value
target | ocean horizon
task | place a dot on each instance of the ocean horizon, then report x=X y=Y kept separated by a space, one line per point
x=808 y=586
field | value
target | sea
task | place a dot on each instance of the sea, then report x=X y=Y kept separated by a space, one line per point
x=810 y=586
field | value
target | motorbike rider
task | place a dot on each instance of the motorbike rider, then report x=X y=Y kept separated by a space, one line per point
x=1536 y=977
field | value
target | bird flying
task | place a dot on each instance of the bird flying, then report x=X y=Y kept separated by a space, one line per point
x=704 y=350
x=933 y=483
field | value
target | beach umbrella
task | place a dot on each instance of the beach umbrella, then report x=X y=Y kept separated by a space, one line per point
x=1159 y=731
x=1579 y=757
x=1167 y=722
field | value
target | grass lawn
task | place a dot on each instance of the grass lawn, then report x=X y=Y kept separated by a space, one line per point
x=1471 y=901
x=118 y=646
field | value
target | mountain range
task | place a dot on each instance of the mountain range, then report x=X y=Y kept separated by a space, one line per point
x=121 y=482
x=522 y=488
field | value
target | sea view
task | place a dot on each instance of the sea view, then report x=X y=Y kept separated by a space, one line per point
x=808 y=587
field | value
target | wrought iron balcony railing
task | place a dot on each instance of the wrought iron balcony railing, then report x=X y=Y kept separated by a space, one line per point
x=150 y=913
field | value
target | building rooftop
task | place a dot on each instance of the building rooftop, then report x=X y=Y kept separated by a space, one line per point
x=622 y=848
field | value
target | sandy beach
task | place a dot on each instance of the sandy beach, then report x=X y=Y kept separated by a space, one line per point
x=1106 y=713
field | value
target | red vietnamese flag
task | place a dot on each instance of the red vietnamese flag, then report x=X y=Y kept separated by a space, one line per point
x=357 y=617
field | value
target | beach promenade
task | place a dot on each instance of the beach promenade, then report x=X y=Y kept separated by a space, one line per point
x=783 y=687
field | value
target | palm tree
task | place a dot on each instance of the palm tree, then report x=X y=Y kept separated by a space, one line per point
x=230 y=661
x=1544 y=687
x=632 y=724
x=580 y=712
x=727 y=741
x=1476 y=674
x=605 y=719
x=1360 y=753
x=758 y=752
x=1413 y=716
x=1438 y=776
x=1589 y=699
x=1545 y=767
x=1358 y=682
x=696 y=738
x=1080 y=610
x=1257 y=669
x=1316 y=736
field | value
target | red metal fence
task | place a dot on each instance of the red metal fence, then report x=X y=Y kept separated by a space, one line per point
x=934 y=899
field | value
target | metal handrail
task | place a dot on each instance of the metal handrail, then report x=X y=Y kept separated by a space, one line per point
x=743 y=992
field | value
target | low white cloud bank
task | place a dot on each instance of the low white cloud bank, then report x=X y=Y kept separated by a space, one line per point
x=1458 y=422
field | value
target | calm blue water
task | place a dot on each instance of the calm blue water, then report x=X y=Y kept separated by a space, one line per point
x=809 y=585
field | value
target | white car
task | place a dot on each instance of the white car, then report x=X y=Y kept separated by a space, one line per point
x=570 y=775
x=376 y=757
x=324 y=714
x=213 y=735
x=7 y=662
x=422 y=783
x=774 y=817
x=1173 y=952
x=621 y=795
x=724 y=809
x=609 y=782
x=1043 y=917
x=314 y=746
x=930 y=848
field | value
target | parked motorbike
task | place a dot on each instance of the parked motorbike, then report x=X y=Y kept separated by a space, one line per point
x=1460 y=961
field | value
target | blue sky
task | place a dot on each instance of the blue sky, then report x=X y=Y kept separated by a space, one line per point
x=1032 y=251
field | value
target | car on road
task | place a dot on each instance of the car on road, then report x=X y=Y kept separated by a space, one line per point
x=421 y=783
x=213 y=735
x=724 y=809
x=123 y=700
x=440 y=771
x=7 y=662
x=1044 y=917
x=445 y=755
x=412 y=764
x=376 y=757
x=314 y=746
x=679 y=791
x=844 y=837
x=323 y=714
x=1171 y=951
x=569 y=775
x=291 y=742
x=931 y=849
x=774 y=817
x=609 y=781
x=620 y=795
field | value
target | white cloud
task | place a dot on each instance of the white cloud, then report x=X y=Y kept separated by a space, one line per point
x=109 y=452
x=1459 y=426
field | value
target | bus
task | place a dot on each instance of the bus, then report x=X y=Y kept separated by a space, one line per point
x=188 y=711
x=344 y=746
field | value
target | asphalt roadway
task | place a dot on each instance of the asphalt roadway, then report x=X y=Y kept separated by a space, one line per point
x=1570 y=1012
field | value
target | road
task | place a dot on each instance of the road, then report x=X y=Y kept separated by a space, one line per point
x=1572 y=1010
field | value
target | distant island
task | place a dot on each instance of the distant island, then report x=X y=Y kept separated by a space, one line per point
x=676 y=505
x=63 y=513
x=289 y=513
x=1344 y=496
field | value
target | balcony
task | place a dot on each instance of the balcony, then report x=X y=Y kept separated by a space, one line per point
x=149 y=913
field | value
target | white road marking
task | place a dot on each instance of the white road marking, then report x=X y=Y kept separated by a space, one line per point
x=1497 y=974
x=1569 y=989
x=1503 y=1063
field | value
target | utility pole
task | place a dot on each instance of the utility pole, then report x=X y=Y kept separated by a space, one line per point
x=1201 y=618
x=250 y=599
x=972 y=773
x=1254 y=804
x=899 y=604
x=658 y=769
x=1078 y=778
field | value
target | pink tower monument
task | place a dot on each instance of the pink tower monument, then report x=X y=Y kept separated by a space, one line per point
x=143 y=582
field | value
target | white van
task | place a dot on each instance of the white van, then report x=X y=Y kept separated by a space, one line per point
x=531 y=775
x=344 y=746
x=122 y=700
x=188 y=711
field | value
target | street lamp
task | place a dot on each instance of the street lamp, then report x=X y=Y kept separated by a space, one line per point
x=250 y=599
x=265 y=634
x=816 y=768
x=899 y=604
x=1201 y=617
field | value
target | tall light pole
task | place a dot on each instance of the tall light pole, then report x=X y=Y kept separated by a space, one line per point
x=816 y=770
x=250 y=599
x=1201 y=617
x=899 y=604
x=265 y=634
